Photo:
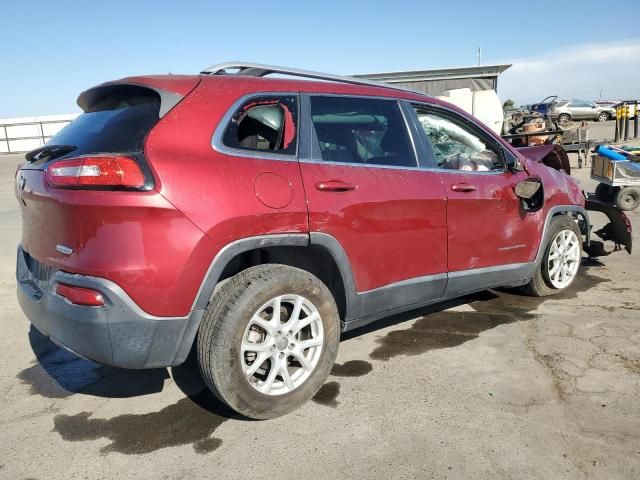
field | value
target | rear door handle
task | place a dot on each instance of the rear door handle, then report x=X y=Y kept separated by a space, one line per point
x=334 y=186
x=463 y=187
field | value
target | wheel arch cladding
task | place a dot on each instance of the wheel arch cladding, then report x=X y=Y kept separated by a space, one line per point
x=554 y=212
x=320 y=256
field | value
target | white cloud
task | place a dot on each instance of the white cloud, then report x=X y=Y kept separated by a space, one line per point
x=580 y=71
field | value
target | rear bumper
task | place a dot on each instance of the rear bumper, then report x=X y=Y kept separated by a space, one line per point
x=118 y=333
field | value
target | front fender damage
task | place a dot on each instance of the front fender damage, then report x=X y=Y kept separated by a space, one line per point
x=618 y=230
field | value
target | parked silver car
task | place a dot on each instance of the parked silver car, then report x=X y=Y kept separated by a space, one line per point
x=566 y=110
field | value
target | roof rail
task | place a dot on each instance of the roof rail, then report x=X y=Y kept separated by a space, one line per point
x=261 y=70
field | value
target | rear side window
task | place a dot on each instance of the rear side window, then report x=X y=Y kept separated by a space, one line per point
x=361 y=130
x=116 y=119
x=266 y=124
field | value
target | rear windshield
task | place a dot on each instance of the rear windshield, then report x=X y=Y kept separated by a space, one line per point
x=116 y=120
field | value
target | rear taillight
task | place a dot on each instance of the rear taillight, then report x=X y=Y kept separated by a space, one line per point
x=102 y=171
x=80 y=296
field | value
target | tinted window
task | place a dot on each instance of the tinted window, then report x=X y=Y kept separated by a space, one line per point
x=580 y=103
x=455 y=146
x=361 y=130
x=264 y=124
x=116 y=121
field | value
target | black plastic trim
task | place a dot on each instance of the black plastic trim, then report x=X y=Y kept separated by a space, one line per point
x=168 y=99
x=559 y=210
x=353 y=301
x=468 y=281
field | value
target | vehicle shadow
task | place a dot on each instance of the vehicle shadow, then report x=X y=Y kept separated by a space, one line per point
x=188 y=379
x=489 y=309
x=58 y=373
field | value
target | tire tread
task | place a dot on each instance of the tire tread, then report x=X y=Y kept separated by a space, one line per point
x=219 y=319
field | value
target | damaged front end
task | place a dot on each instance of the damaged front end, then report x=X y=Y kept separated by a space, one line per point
x=618 y=230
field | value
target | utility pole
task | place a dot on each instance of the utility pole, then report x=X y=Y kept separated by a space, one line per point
x=479 y=55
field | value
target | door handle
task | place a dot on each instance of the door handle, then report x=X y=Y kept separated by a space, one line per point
x=334 y=186
x=463 y=187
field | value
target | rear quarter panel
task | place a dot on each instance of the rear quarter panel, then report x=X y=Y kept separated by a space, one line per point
x=142 y=243
x=217 y=191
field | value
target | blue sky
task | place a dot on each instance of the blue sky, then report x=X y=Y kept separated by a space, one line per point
x=54 y=49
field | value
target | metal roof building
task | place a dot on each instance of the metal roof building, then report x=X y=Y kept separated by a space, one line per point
x=436 y=82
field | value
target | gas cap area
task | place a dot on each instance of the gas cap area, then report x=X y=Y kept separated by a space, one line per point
x=273 y=190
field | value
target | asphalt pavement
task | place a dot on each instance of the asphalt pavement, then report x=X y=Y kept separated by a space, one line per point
x=495 y=385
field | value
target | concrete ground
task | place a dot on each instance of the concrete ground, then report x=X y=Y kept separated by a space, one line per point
x=492 y=386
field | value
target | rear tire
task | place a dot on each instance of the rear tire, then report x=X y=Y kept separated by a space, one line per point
x=240 y=328
x=628 y=198
x=559 y=256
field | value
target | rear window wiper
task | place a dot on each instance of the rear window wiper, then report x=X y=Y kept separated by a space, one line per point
x=49 y=151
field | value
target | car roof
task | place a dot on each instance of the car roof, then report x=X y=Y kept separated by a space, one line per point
x=182 y=84
x=239 y=86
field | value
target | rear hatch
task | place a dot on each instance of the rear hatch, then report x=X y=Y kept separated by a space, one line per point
x=102 y=149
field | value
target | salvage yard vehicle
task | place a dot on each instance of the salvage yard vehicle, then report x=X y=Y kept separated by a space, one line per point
x=255 y=219
x=568 y=110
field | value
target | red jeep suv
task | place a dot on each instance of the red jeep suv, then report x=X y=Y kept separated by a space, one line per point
x=258 y=218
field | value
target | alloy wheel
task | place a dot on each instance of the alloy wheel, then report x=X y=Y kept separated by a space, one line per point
x=281 y=345
x=564 y=258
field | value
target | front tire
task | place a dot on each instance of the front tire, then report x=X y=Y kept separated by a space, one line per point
x=268 y=340
x=602 y=117
x=564 y=118
x=560 y=262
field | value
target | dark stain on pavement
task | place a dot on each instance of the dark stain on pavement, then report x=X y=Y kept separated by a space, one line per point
x=327 y=394
x=59 y=373
x=189 y=421
x=446 y=329
x=352 y=368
